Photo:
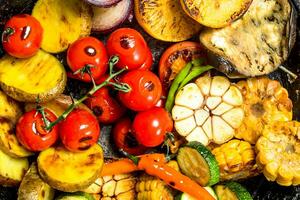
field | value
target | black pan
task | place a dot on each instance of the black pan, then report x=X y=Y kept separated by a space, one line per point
x=258 y=186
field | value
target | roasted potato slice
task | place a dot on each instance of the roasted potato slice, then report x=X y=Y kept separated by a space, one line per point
x=33 y=187
x=40 y=77
x=70 y=171
x=57 y=105
x=63 y=22
x=165 y=20
x=215 y=14
x=10 y=111
x=12 y=169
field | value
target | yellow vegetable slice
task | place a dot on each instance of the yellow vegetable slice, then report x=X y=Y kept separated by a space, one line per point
x=70 y=171
x=63 y=22
x=165 y=20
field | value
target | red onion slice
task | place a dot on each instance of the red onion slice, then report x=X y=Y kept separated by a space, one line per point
x=107 y=19
x=103 y=3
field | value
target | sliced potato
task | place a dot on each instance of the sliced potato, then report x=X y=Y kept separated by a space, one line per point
x=12 y=169
x=63 y=22
x=57 y=105
x=33 y=187
x=10 y=111
x=70 y=171
x=165 y=20
x=215 y=14
x=40 y=77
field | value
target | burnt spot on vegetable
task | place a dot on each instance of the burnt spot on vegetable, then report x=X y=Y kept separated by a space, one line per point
x=127 y=42
x=85 y=147
x=25 y=32
x=84 y=139
x=90 y=51
x=97 y=110
x=172 y=183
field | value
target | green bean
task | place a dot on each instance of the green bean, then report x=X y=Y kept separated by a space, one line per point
x=195 y=72
x=175 y=84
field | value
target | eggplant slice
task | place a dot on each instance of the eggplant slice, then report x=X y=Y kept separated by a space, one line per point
x=256 y=44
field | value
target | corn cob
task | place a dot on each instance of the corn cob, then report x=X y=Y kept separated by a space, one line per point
x=151 y=188
x=117 y=187
x=236 y=160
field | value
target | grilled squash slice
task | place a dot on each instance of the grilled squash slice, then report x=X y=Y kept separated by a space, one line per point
x=215 y=14
x=10 y=111
x=257 y=43
x=33 y=187
x=232 y=191
x=12 y=169
x=265 y=101
x=70 y=171
x=39 y=77
x=165 y=20
x=63 y=22
x=236 y=160
x=279 y=152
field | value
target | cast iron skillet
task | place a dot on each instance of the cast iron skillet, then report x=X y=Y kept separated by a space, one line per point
x=259 y=187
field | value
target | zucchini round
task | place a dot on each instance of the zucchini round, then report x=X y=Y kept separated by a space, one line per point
x=232 y=191
x=185 y=196
x=75 y=196
x=198 y=163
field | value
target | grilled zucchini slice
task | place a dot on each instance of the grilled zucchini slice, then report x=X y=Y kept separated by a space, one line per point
x=215 y=14
x=185 y=196
x=63 y=22
x=33 y=187
x=198 y=163
x=70 y=171
x=165 y=20
x=40 y=77
x=76 y=196
x=12 y=169
x=258 y=42
x=232 y=191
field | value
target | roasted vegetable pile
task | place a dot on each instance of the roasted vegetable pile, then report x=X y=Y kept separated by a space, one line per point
x=138 y=99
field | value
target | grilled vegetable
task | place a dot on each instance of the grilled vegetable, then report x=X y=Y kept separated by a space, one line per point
x=236 y=160
x=40 y=77
x=257 y=43
x=215 y=14
x=107 y=19
x=63 y=22
x=75 y=196
x=57 y=105
x=33 y=187
x=232 y=191
x=69 y=171
x=198 y=163
x=151 y=188
x=265 y=101
x=279 y=152
x=10 y=111
x=12 y=169
x=185 y=196
x=165 y=20
x=120 y=186
x=208 y=110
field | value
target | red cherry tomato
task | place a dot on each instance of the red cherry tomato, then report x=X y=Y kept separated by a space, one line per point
x=148 y=63
x=145 y=90
x=31 y=133
x=22 y=36
x=130 y=46
x=106 y=108
x=151 y=126
x=124 y=139
x=87 y=53
x=79 y=131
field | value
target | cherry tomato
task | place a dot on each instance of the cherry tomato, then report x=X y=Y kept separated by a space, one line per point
x=106 y=108
x=22 y=36
x=31 y=133
x=124 y=139
x=87 y=53
x=151 y=126
x=130 y=46
x=148 y=63
x=145 y=90
x=79 y=131
x=175 y=58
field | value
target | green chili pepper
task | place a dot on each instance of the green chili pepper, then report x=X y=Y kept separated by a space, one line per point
x=195 y=71
x=175 y=84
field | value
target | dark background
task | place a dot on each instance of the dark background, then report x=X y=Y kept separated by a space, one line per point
x=259 y=187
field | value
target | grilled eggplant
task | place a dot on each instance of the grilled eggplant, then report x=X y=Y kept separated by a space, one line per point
x=256 y=44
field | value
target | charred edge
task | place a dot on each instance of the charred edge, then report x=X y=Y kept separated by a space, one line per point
x=84 y=139
x=83 y=148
